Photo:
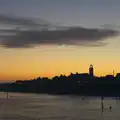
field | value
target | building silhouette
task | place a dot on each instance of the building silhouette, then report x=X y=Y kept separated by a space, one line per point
x=118 y=76
x=91 y=70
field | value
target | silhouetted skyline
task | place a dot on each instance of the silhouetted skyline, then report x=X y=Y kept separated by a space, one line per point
x=74 y=84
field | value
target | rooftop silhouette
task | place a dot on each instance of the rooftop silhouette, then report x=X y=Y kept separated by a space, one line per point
x=77 y=84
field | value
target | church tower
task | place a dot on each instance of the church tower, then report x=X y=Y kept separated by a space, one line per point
x=91 y=70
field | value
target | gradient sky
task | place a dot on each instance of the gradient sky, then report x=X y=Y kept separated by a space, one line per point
x=26 y=63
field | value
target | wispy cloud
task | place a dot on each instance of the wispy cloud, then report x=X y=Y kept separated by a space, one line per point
x=72 y=36
x=15 y=20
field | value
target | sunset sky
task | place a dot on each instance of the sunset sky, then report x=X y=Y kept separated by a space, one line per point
x=18 y=62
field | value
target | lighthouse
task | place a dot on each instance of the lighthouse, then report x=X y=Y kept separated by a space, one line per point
x=91 y=70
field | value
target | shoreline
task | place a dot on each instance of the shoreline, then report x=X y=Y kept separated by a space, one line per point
x=58 y=94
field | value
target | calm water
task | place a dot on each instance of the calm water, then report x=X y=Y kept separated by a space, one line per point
x=47 y=107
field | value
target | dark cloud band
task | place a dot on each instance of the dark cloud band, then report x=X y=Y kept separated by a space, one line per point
x=72 y=36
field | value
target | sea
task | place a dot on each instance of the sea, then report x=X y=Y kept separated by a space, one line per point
x=57 y=107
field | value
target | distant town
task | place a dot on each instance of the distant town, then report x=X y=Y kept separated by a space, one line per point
x=86 y=84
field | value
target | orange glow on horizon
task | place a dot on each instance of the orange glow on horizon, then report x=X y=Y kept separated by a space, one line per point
x=50 y=61
x=4 y=77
